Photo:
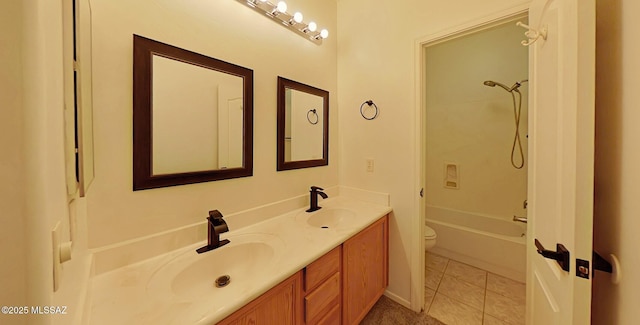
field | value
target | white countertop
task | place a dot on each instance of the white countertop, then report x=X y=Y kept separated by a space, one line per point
x=127 y=296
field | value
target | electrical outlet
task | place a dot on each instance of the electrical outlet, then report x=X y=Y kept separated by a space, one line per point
x=370 y=166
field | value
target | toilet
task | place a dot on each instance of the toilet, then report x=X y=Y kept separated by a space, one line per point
x=429 y=238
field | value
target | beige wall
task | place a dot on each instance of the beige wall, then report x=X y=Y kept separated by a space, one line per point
x=13 y=281
x=376 y=50
x=616 y=221
x=472 y=125
x=226 y=30
x=41 y=190
x=43 y=144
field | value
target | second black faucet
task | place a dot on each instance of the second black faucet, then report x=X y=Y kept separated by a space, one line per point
x=313 y=198
x=215 y=226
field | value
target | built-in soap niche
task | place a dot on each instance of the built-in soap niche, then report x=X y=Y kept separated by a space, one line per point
x=192 y=117
x=451 y=175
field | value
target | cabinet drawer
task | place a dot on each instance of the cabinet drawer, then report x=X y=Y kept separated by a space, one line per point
x=322 y=299
x=322 y=269
x=332 y=318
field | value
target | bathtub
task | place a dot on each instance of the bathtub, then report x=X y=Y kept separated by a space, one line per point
x=492 y=244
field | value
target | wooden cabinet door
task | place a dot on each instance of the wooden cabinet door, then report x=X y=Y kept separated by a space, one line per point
x=281 y=305
x=365 y=271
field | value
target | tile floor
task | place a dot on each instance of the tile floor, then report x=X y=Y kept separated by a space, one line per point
x=457 y=293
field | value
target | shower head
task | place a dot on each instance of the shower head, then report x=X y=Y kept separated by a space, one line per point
x=493 y=84
x=515 y=86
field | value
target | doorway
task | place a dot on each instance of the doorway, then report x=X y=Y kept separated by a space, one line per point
x=473 y=147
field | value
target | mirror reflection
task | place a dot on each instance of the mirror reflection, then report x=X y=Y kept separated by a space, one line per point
x=192 y=117
x=197 y=118
x=303 y=126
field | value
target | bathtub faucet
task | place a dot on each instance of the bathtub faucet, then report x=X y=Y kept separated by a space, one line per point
x=215 y=226
x=520 y=219
x=313 y=198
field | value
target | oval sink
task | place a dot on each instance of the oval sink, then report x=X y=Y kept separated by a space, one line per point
x=192 y=275
x=330 y=218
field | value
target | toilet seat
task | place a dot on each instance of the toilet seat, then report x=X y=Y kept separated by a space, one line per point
x=429 y=233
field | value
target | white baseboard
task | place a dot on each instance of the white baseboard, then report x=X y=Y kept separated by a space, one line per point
x=398 y=299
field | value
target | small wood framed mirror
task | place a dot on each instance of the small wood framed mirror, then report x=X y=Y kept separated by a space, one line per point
x=303 y=125
x=192 y=117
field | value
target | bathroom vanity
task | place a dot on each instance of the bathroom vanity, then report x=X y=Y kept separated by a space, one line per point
x=324 y=267
x=341 y=285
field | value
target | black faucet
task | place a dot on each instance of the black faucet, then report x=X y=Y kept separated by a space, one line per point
x=313 y=198
x=215 y=226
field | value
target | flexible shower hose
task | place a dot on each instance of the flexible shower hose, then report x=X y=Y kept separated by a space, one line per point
x=516 y=137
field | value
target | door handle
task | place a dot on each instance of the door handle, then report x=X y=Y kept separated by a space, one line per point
x=560 y=255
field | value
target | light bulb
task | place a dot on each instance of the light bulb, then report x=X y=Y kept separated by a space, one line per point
x=312 y=27
x=324 y=33
x=282 y=7
x=297 y=17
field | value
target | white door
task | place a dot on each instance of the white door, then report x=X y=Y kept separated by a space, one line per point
x=230 y=125
x=306 y=137
x=230 y=129
x=561 y=140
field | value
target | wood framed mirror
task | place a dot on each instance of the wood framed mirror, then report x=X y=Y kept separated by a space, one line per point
x=192 y=117
x=303 y=125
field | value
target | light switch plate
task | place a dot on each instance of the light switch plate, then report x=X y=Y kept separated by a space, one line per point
x=370 y=165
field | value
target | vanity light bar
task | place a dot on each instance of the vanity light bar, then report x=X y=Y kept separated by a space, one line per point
x=278 y=12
